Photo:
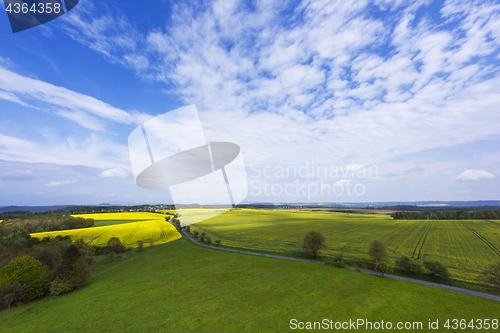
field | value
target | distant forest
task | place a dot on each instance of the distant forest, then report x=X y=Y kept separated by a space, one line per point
x=448 y=215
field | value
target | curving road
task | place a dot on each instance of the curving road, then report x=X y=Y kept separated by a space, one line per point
x=437 y=285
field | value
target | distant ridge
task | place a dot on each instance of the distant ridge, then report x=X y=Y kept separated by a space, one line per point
x=33 y=209
x=388 y=204
x=477 y=203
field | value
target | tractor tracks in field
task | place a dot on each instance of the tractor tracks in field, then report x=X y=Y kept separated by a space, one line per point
x=432 y=284
x=484 y=240
x=421 y=241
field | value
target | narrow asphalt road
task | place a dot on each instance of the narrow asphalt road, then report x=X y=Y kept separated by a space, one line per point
x=437 y=285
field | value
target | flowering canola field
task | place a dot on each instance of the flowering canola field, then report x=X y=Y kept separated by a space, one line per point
x=145 y=227
x=466 y=247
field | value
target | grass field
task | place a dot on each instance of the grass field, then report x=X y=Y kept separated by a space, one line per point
x=466 y=247
x=150 y=228
x=189 y=216
x=183 y=287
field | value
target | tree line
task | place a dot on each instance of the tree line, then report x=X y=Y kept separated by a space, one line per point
x=22 y=226
x=31 y=268
x=448 y=215
x=314 y=241
x=203 y=238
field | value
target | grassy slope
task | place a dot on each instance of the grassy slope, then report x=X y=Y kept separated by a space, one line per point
x=450 y=242
x=182 y=287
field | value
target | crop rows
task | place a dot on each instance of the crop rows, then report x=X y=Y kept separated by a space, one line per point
x=466 y=247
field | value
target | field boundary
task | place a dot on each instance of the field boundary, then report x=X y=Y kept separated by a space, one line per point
x=432 y=284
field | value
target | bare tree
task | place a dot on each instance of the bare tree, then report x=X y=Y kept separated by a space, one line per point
x=12 y=293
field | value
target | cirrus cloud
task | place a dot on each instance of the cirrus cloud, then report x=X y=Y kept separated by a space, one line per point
x=475 y=175
x=66 y=182
x=114 y=172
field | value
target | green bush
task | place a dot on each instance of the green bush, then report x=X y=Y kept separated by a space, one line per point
x=491 y=276
x=114 y=244
x=58 y=287
x=383 y=267
x=98 y=249
x=79 y=243
x=29 y=272
x=48 y=257
x=378 y=252
x=140 y=246
x=80 y=273
x=73 y=271
x=202 y=237
x=416 y=267
x=404 y=263
x=61 y=243
x=88 y=253
x=437 y=268
x=195 y=234
x=341 y=262
x=409 y=265
x=217 y=242
x=208 y=240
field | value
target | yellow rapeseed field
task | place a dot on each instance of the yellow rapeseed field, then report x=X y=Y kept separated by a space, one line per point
x=121 y=216
x=154 y=229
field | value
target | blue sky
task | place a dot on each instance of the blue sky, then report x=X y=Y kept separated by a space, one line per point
x=399 y=100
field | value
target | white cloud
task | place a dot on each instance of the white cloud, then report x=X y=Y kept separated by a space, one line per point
x=94 y=30
x=75 y=105
x=12 y=98
x=66 y=182
x=83 y=119
x=114 y=172
x=94 y=151
x=341 y=182
x=11 y=145
x=317 y=81
x=354 y=167
x=474 y=175
x=18 y=175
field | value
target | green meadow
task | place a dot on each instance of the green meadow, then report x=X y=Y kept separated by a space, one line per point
x=466 y=247
x=184 y=287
